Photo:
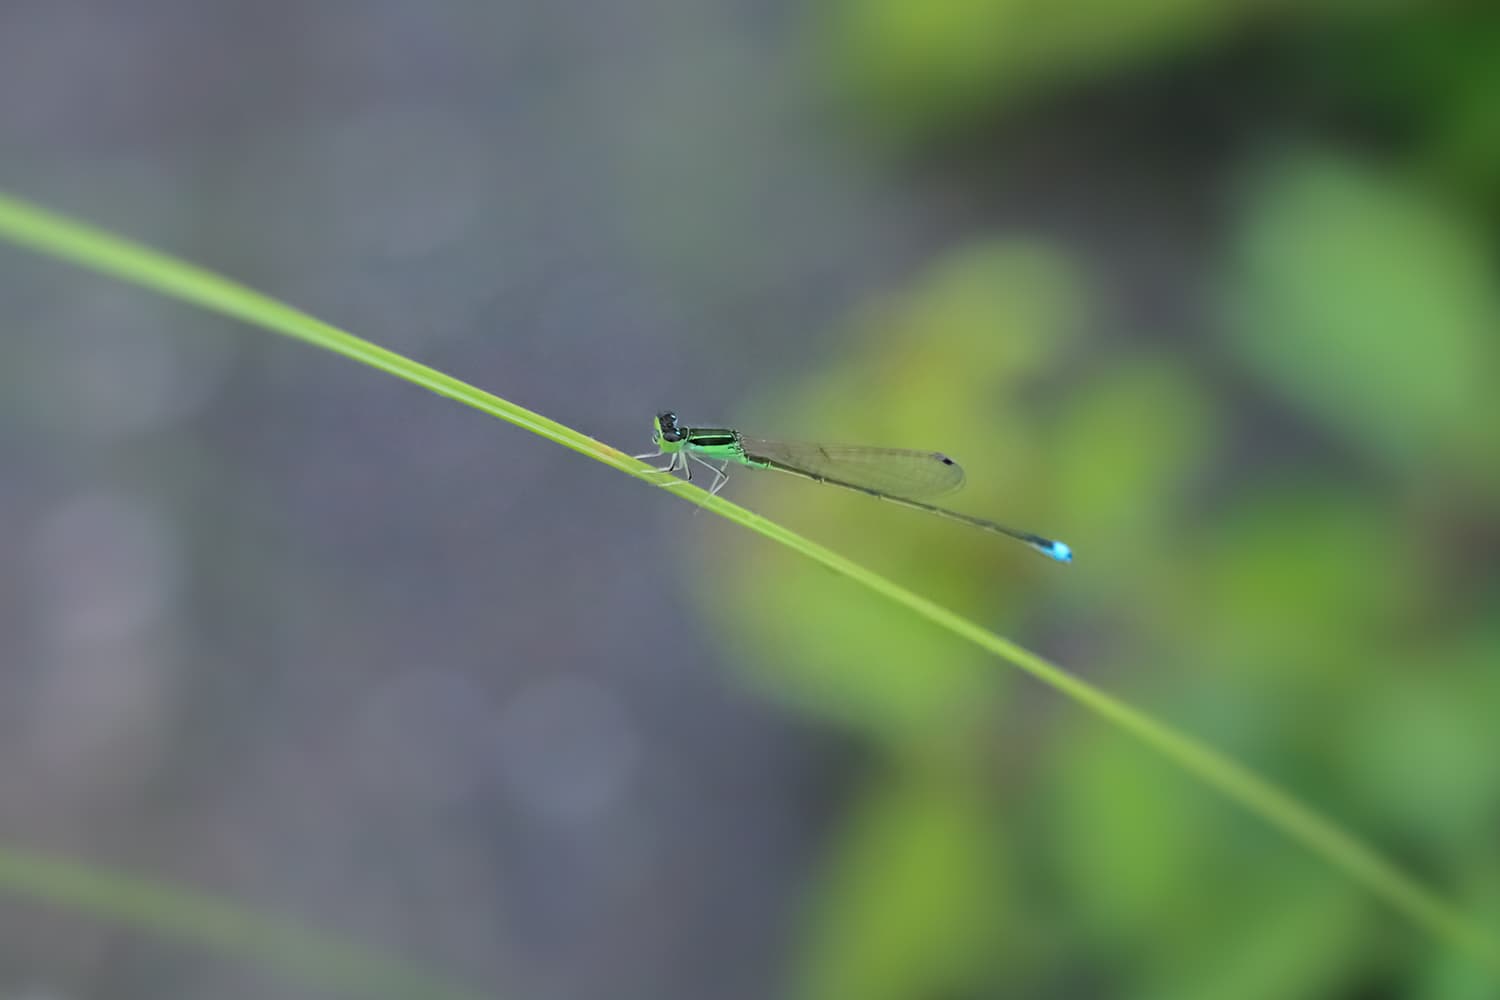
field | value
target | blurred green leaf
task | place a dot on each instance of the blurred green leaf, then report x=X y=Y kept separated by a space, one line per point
x=1299 y=581
x=911 y=903
x=1130 y=842
x=1152 y=866
x=1286 y=937
x=1420 y=755
x=1127 y=448
x=817 y=646
x=1007 y=310
x=1447 y=976
x=1372 y=307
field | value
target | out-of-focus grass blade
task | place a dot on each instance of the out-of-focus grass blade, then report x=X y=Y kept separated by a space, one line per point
x=199 y=919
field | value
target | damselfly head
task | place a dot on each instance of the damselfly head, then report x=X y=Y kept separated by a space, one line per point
x=667 y=428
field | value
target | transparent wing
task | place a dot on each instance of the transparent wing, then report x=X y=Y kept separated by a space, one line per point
x=896 y=471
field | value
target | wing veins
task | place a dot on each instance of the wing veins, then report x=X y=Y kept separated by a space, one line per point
x=897 y=471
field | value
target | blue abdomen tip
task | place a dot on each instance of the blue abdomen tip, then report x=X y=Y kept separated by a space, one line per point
x=1060 y=552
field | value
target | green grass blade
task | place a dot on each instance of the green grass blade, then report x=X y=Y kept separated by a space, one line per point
x=88 y=247
x=218 y=926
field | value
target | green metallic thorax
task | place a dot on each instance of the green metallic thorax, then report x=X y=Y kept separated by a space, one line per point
x=715 y=444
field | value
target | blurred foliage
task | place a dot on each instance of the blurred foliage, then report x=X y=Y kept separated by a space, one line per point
x=930 y=843
x=1287 y=531
x=1427 y=78
x=928 y=68
x=1374 y=307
